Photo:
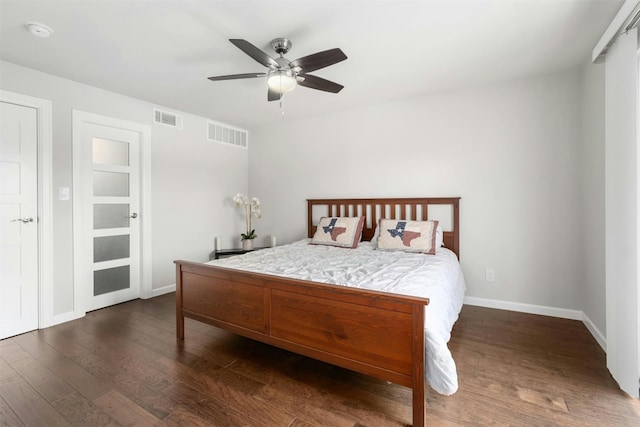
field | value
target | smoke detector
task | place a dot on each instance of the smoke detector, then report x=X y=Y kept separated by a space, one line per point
x=38 y=29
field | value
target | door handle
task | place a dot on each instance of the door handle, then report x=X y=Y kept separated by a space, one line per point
x=134 y=215
x=24 y=220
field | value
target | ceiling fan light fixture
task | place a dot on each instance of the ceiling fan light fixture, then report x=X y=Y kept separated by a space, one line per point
x=281 y=81
x=283 y=75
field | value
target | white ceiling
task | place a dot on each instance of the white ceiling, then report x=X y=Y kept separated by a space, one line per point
x=163 y=51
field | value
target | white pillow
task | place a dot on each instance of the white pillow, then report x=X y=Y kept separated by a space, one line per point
x=407 y=236
x=345 y=232
x=439 y=235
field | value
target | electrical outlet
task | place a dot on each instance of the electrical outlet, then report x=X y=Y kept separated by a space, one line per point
x=490 y=275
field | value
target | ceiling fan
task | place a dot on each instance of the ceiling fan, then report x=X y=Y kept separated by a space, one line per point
x=284 y=75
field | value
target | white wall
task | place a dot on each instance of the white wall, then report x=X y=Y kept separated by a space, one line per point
x=592 y=278
x=192 y=179
x=510 y=150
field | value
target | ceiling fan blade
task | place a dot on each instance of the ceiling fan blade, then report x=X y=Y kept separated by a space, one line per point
x=255 y=53
x=273 y=95
x=237 y=76
x=319 y=60
x=319 y=83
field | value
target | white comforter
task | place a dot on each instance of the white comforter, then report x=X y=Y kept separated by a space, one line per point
x=437 y=277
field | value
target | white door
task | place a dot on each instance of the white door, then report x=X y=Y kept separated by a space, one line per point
x=18 y=219
x=110 y=220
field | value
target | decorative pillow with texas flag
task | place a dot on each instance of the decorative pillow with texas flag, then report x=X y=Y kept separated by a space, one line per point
x=339 y=231
x=409 y=236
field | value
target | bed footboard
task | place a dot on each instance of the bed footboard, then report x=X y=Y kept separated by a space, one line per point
x=374 y=333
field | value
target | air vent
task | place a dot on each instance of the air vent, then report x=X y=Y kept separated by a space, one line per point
x=220 y=132
x=168 y=119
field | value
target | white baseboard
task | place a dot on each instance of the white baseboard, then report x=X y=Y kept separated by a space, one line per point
x=66 y=317
x=599 y=336
x=563 y=313
x=73 y=315
x=161 y=291
x=525 y=308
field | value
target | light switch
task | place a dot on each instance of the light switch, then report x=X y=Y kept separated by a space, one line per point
x=63 y=193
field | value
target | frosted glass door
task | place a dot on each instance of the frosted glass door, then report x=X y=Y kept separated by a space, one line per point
x=111 y=190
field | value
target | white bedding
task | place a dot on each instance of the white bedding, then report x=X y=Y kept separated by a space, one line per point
x=437 y=277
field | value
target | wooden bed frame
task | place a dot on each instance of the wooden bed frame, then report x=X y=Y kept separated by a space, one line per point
x=374 y=333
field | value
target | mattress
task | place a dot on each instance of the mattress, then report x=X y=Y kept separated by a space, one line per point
x=437 y=277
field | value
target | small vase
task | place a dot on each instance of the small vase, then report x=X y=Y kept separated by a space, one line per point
x=247 y=244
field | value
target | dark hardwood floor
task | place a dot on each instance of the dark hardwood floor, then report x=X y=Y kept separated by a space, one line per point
x=123 y=366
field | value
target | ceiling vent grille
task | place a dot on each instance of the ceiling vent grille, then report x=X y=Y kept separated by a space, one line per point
x=168 y=119
x=220 y=132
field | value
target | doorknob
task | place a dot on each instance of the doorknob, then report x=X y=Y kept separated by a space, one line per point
x=24 y=220
x=134 y=215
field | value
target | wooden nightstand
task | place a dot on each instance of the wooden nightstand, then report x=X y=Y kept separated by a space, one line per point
x=223 y=253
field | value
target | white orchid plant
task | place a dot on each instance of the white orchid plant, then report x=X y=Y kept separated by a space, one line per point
x=251 y=209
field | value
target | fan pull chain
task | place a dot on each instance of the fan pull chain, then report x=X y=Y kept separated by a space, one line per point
x=281 y=105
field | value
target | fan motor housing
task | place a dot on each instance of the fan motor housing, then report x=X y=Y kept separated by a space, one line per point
x=281 y=45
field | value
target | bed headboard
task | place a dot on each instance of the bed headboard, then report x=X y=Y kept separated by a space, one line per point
x=443 y=209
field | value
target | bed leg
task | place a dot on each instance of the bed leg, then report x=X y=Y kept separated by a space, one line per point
x=179 y=316
x=418 y=407
x=180 y=327
x=418 y=367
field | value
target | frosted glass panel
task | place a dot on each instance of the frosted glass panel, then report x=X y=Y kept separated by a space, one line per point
x=110 y=280
x=110 y=247
x=110 y=216
x=108 y=152
x=110 y=184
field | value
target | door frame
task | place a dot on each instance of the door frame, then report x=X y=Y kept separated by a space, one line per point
x=44 y=110
x=79 y=119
